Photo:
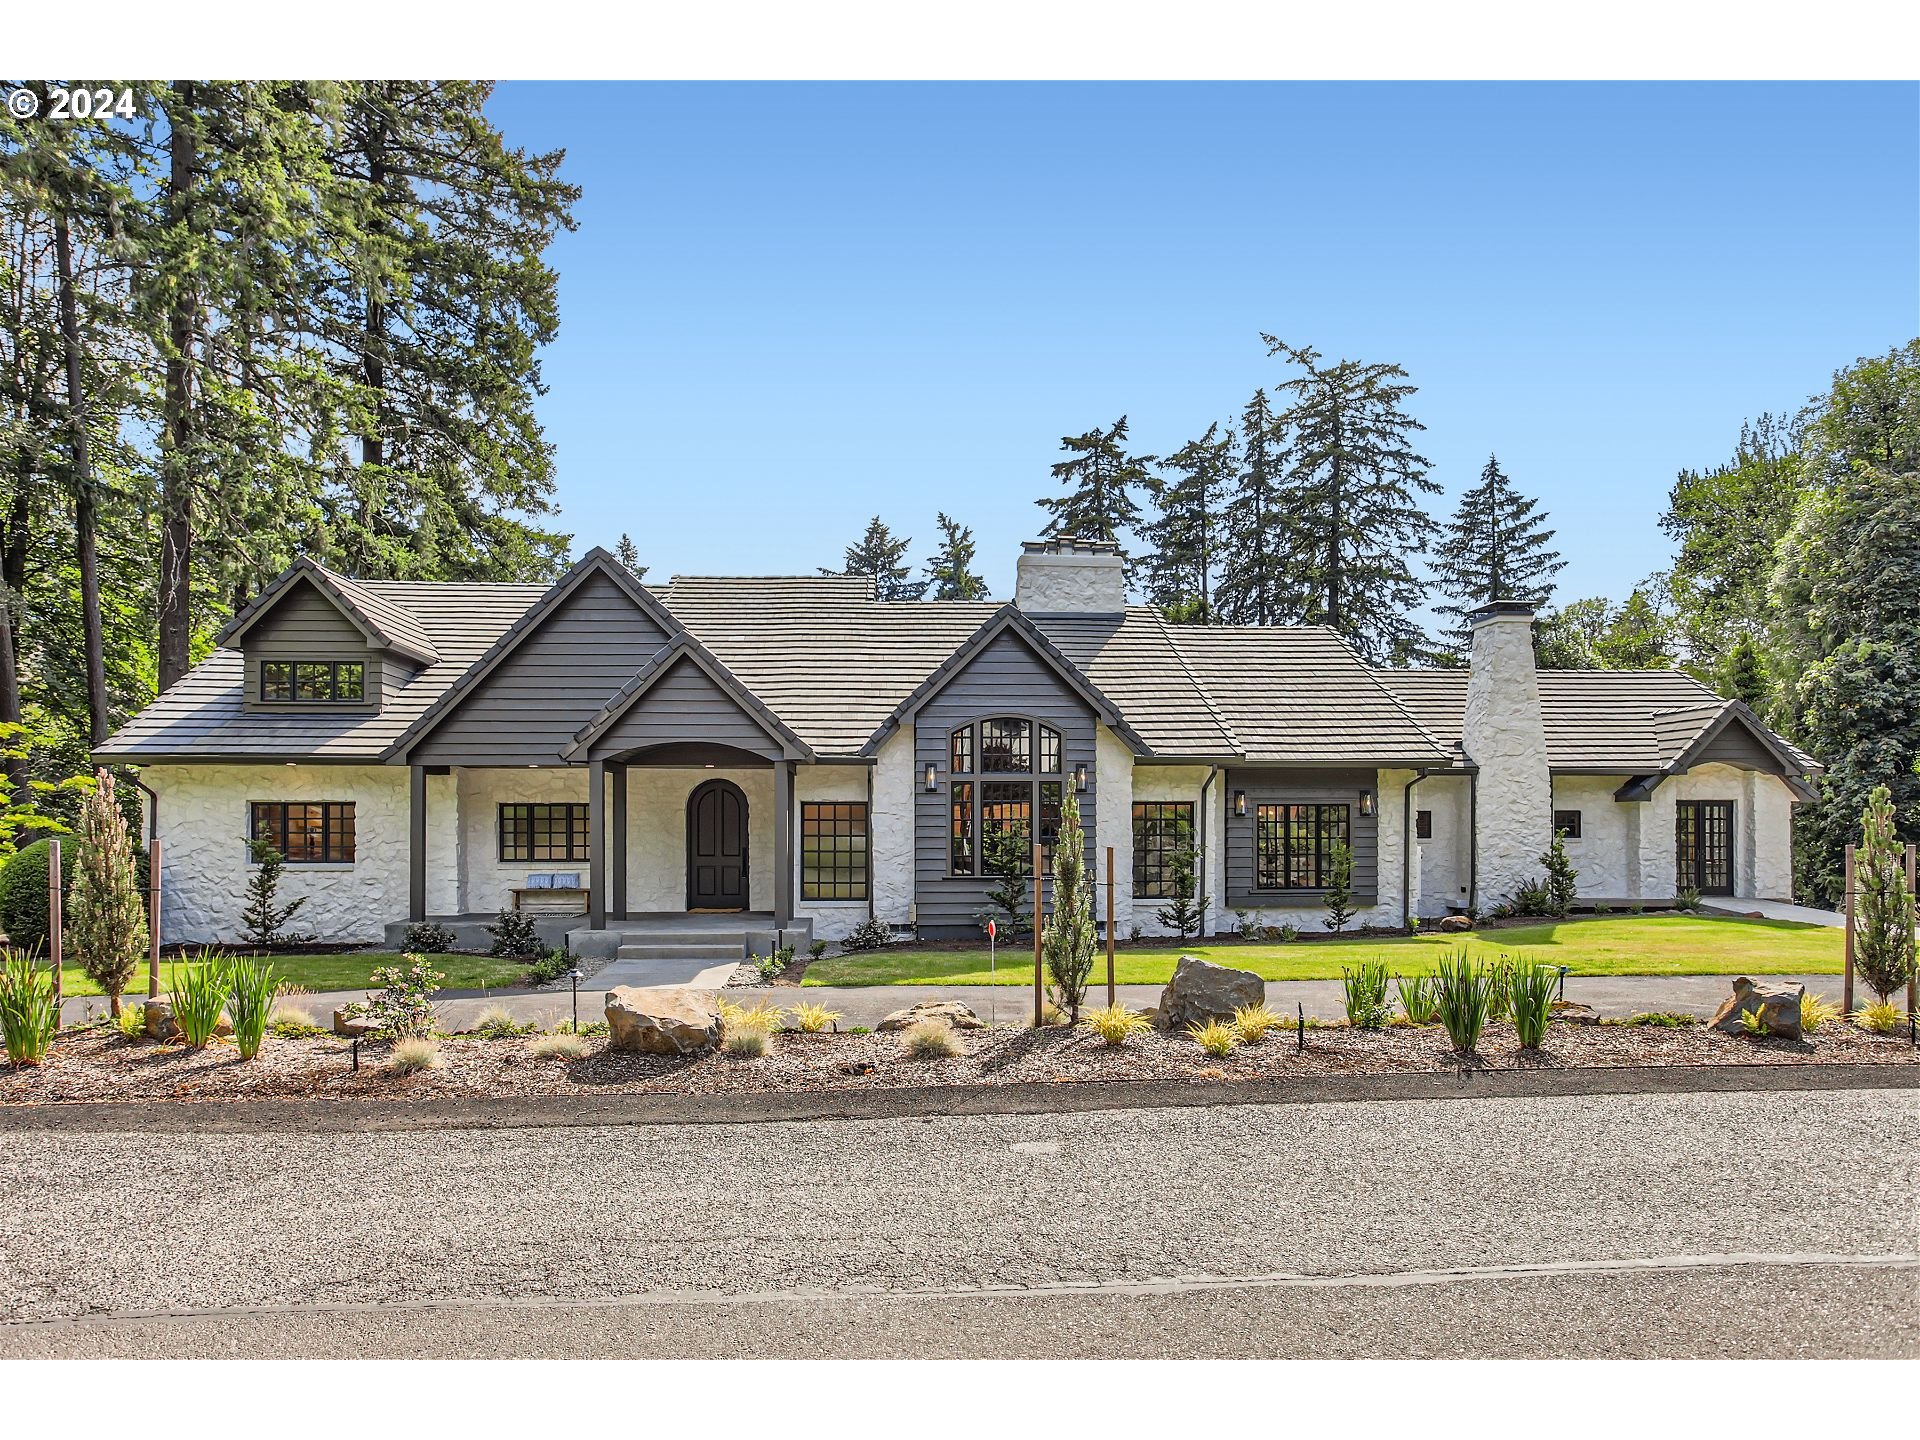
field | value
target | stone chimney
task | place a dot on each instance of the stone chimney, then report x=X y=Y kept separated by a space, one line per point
x=1070 y=576
x=1505 y=736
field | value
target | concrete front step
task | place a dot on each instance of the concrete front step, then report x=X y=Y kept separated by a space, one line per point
x=706 y=949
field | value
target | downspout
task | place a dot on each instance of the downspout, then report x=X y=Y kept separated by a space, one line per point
x=1473 y=842
x=153 y=808
x=1406 y=847
x=870 y=770
x=1206 y=846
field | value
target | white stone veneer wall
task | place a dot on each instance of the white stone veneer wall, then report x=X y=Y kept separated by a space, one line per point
x=1762 y=830
x=1442 y=861
x=486 y=881
x=203 y=828
x=892 y=828
x=1602 y=853
x=1504 y=735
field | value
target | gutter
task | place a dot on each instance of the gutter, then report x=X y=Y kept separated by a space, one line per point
x=1406 y=847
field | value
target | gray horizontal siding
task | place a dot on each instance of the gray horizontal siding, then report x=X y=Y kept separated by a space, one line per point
x=1736 y=745
x=1299 y=787
x=304 y=624
x=1005 y=678
x=558 y=678
x=685 y=705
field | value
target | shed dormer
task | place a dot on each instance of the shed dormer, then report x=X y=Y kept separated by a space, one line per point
x=315 y=641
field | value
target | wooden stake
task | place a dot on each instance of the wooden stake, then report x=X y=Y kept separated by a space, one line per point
x=153 y=920
x=1039 y=996
x=54 y=925
x=1846 y=985
x=1111 y=1000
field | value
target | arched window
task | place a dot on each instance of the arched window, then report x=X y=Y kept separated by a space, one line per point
x=1004 y=771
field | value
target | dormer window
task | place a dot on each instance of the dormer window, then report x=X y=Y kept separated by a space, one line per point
x=324 y=682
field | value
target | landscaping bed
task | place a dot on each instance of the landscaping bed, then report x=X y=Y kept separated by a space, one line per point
x=99 y=1064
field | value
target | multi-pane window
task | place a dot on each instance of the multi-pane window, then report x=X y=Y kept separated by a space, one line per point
x=1294 y=845
x=833 y=850
x=306 y=834
x=1162 y=831
x=981 y=809
x=1567 y=822
x=543 y=832
x=293 y=681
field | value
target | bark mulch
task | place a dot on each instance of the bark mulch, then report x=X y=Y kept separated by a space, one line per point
x=100 y=1065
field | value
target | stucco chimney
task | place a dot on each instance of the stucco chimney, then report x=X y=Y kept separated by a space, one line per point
x=1505 y=736
x=1069 y=576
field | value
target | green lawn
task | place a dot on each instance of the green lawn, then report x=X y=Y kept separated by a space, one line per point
x=1628 y=945
x=350 y=970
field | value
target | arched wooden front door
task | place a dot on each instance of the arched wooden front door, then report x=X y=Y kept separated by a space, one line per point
x=717 y=847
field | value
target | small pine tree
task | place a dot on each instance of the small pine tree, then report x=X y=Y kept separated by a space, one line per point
x=1180 y=913
x=261 y=920
x=882 y=554
x=1339 y=886
x=628 y=554
x=950 y=571
x=1067 y=946
x=1562 y=885
x=1101 y=477
x=1883 y=905
x=106 y=924
x=1005 y=855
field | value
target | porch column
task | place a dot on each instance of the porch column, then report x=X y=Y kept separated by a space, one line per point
x=618 y=849
x=597 y=845
x=782 y=842
x=417 y=842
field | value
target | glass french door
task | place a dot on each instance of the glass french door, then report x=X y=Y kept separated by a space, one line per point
x=1703 y=846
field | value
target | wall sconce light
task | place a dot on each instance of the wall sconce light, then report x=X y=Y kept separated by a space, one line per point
x=1240 y=804
x=933 y=776
x=1366 y=802
x=1080 y=777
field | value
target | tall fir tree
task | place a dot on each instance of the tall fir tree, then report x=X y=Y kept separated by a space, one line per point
x=1257 y=585
x=1742 y=676
x=1184 y=535
x=882 y=554
x=950 y=574
x=1100 y=477
x=1494 y=548
x=1351 y=498
x=628 y=554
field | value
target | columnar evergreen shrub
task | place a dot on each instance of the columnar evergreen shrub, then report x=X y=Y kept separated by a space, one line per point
x=1883 y=905
x=1180 y=914
x=1562 y=885
x=1007 y=855
x=1067 y=947
x=260 y=922
x=1339 y=886
x=106 y=921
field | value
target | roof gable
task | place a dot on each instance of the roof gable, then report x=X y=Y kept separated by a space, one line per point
x=706 y=702
x=386 y=624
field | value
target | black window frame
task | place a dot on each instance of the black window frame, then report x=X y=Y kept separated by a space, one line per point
x=293 y=678
x=1304 y=843
x=1423 y=824
x=337 y=821
x=577 y=823
x=1157 y=832
x=828 y=874
x=1017 y=738
x=1560 y=825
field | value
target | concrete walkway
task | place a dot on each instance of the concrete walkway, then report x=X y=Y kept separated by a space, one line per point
x=1776 y=910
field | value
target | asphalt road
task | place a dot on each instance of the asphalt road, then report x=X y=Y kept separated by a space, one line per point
x=1775 y=1224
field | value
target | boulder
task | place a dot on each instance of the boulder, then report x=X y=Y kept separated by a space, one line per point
x=1455 y=924
x=351 y=1025
x=663 y=1019
x=1202 y=991
x=950 y=1013
x=157 y=1015
x=1777 y=1005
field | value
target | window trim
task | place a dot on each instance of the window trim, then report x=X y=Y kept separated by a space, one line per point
x=1158 y=844
x=327 y=817
x=1318 y=854
x=1573 y=830
x=581 y=828
x=861 y=886
x=292 y=697
x=974 y=781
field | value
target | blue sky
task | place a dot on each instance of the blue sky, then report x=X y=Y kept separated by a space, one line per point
x=789 y=307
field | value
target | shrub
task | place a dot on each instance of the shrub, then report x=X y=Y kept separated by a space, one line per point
x=929 y=1040
x=1882 y=1018
x=251 y=986
x=1600 y=907
x=290 y=1021
x=402 y=1003
x=1687 y=899
x=23 y=893
x=1815 y=1011
x=1500 y=988
x=496 y=1022
x=1562 y=884
x=424 y=937
x=549 y=967
x=1339 y=886
x=1530 y=898
x=1286 y=934
x=867 y=935
x=29 y=1015
x=413 y=1054
x=131 y=1022
x=1532 y=1000
x=1116 y=1024
x=816 y=949
x=261 y=921
x=1071 y=935
x=1006 y=855
x=199 y=994
x=1418 y=1001
x=1252 y=1022
x=1180 y=914
x=1883 y=907
x=1464 y=990
x=515 y=936
x=748 y=1042
x=772 y=967
x=811 y=1019
x=1366 y=995
x=1214 y=1037
x=1662 y=1019
x=106 y=920
x=560 y=1047
x=1753 y=1023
